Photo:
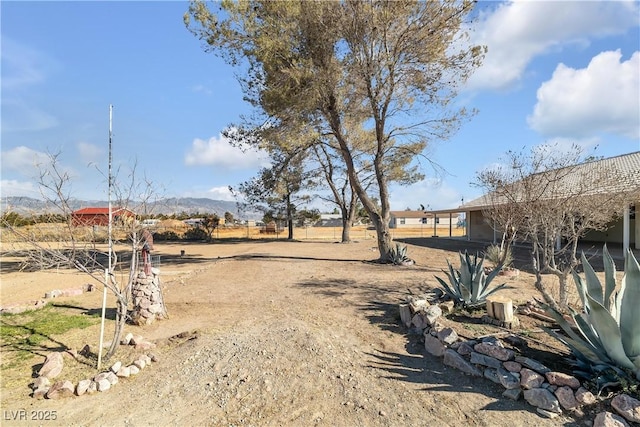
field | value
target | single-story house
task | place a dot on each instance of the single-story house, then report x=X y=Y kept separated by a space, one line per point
x=99 y=216
x=412 y=219
x=409 y=219
x=625 y=231
x=194 y=222
x=331 y=216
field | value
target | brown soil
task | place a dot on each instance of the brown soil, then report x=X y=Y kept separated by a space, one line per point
x=284 y=334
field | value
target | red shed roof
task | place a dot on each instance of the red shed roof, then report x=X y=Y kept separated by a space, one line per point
x=98 y=211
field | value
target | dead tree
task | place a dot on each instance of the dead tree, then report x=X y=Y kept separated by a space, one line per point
x=551 y=199
x=71 y=250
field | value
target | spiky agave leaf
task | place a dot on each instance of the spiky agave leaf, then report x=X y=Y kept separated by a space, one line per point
x=593 y=285
x=610 y=283
x=591 y=336
x=584 y=347
x=477 y=283
x=630 y=310
x=398 y=255
x=492 y=275
x=452 y=288
x=454 y=295
x=610 y=325
x=454 y=278
x=465 y=271
x=470 y=284
x=463 y=279
x=608 y=332
x=581 y=349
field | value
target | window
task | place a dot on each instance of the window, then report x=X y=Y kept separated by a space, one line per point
x=423 y=220
x=402 y=221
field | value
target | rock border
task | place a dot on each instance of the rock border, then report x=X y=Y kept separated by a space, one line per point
x=43 y=388
x=550 y=392
x=21 y=307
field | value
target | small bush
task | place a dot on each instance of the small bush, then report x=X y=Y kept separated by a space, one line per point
x=166 y=236
x=196 y=234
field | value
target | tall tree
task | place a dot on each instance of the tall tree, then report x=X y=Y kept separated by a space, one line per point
x=390 y=68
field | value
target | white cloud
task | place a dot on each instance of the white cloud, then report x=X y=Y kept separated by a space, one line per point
x=89 y=152
x=38 y=167
x=219 y=153
x=517 y=31
x=14 y=188
x=215 y=193
x=220 y=193
x=23 y=159
x=600 y=98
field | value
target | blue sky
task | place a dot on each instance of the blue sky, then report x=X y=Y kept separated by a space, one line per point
x=556 y=72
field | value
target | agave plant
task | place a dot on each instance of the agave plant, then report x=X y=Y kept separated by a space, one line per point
x=494 y=253
x=398 y=255
x=469 y=286
x=607 y=342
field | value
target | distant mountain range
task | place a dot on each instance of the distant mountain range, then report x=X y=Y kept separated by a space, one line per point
x=174 y=205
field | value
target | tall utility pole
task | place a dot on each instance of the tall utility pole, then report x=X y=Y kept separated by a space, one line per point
x=107 y=273
x=110 y=185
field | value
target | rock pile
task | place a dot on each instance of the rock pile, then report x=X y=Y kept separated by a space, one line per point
x=148 y=304
x=548 y=391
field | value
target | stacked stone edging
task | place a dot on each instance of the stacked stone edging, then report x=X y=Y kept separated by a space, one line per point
x=550 y=392
x=148 y=304
x=21 y=307
x=103 y=381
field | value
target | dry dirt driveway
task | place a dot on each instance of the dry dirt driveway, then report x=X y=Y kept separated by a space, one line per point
x=292 y=334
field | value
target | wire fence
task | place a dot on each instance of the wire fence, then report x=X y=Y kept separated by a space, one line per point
x=154 y=260
x=312 y=233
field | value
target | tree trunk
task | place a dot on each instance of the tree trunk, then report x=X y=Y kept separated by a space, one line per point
x=121 y=320
x=290 y=229
x=347 y=219
x=548 y=298
x=379 y=217
x=563 y=291
x=346 y=230
x=289 y=218
x=383 y=235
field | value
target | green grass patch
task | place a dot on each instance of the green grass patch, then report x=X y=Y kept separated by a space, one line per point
x=25 y=333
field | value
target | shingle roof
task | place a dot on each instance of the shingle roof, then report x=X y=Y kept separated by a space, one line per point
x=624 y=171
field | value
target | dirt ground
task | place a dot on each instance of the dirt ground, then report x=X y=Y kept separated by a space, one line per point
x=275 y=333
